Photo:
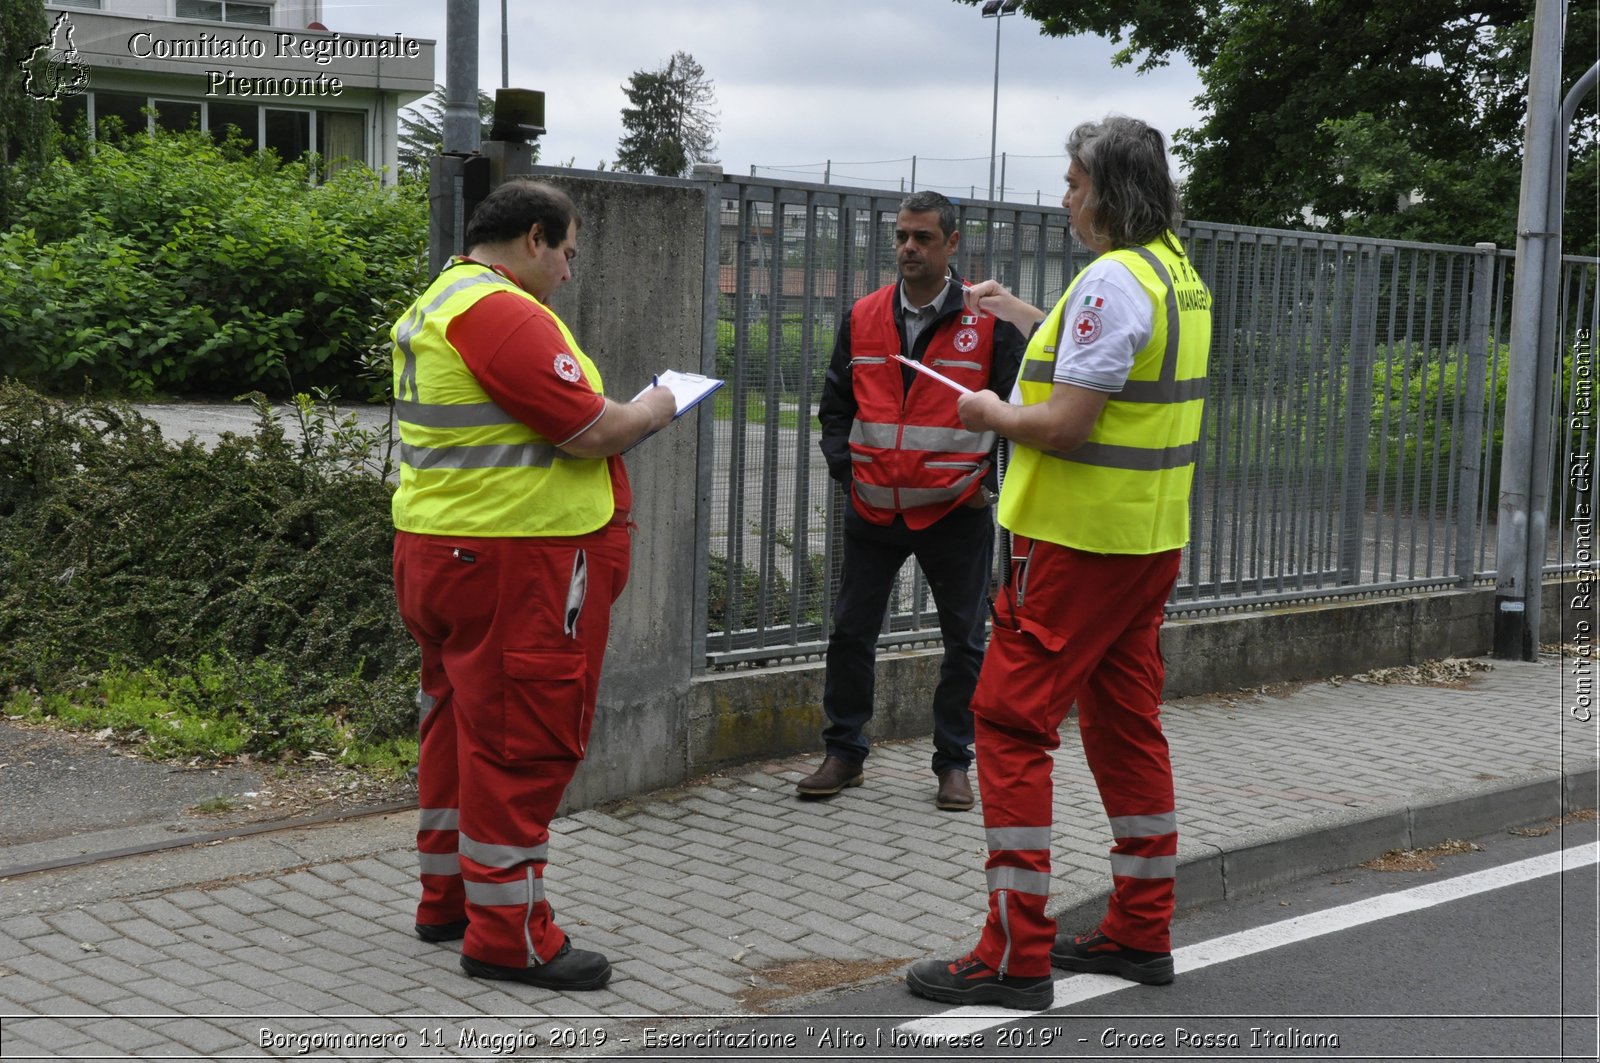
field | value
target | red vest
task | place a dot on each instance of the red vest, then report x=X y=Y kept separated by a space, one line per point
x=909 y=453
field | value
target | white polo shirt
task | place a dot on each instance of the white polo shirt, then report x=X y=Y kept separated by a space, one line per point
x=1109 y=321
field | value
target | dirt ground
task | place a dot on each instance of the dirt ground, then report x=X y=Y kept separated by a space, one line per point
x=55 y=784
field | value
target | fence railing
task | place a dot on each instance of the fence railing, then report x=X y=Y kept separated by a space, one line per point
x=1352 y=431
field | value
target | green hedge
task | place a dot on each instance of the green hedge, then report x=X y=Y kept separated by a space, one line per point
x=169 y=263
x=248 y=583
x=758 y=342
x=1420 y=396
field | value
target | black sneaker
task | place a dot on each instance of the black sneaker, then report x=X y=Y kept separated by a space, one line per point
x=570 y=969
x=437 y=932
x=1097 y=954
x=971 y=981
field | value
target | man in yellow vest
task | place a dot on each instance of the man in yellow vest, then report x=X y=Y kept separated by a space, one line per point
x=511 y=544
x=1105 y=426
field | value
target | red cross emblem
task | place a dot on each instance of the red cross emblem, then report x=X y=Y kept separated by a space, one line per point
x=1086 y=327
x=567 y=367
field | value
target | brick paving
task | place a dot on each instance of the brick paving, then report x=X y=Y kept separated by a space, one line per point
x=708 y=898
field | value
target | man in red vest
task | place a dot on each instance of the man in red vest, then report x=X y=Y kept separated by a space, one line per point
x=920 y=485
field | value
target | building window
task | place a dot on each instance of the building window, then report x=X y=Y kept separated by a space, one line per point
x=288 y=133
x=118 y=114
x=178 y=115
x=72 y=113
x=226 y=11
x=92 y=4
x=243 y=117
x=341 y=139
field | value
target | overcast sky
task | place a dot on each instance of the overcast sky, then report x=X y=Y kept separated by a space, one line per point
x=856 y=81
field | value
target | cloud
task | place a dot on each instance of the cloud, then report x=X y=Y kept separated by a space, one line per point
x=849 y=80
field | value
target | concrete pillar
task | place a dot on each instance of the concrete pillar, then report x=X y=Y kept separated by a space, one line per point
x=635 y=306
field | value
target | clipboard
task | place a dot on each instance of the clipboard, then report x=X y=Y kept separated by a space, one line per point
x=940 y=377
x=688 y=390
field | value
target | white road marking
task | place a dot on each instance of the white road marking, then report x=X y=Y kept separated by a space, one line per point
x=1073 y=989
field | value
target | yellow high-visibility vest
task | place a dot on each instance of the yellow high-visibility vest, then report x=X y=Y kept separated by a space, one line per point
x=466 y=466
x=1126 y=489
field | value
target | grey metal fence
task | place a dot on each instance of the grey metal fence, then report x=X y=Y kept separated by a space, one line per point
x=1351 y=440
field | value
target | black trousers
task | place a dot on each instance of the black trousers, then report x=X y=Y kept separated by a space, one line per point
x=956 y=554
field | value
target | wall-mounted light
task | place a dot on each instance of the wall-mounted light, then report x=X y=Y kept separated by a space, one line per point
x=518 y=115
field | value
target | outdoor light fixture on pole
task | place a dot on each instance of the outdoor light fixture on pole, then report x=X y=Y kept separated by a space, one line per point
x=996 y=9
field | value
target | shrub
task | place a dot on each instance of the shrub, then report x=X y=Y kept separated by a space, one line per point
x=759 y=362
x=167 y=262
x=1421 y=398
x=249 y=582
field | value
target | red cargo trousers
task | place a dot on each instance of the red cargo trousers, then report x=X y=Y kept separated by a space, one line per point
x=1075 y=626
x=513 y=634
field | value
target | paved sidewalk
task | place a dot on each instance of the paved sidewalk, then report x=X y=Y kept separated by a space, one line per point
x=730 y=897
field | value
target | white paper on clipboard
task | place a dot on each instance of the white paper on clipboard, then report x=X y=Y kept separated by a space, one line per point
x=689 y=389
x=940 y=377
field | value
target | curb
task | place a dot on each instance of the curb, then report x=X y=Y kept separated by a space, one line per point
x=1296 y=853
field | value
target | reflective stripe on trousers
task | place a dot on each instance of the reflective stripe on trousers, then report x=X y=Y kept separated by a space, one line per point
x=1018 y=872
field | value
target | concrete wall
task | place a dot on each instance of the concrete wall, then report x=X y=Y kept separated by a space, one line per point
x=747 y=715
x=634 y=304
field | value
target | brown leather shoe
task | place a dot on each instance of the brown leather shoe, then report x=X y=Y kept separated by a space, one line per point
x=834 y=775
x=955 y=793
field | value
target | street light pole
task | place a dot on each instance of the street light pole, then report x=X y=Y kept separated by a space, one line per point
x=996 y=9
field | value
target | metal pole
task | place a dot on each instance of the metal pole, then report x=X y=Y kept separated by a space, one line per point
x=1569 y=106
x=1363 y=342
x=710 y=175
x=1469 y=456
x=1519 y=554
x=1551 y=349
x=994 y=119
x=505 y=49
x=462 y=126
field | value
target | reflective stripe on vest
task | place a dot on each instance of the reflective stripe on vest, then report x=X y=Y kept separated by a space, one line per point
x=467 y=467
x=910 y=455
x=919 y=437
x=1126 y=489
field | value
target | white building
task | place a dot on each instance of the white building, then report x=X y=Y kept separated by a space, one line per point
x=268 y=67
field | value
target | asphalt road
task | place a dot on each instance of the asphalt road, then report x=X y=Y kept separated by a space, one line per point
x=1505 y=973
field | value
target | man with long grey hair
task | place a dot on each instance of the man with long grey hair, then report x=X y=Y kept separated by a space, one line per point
x=1104 y=424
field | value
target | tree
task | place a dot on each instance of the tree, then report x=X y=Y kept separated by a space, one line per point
x=1367 y=117
x=669 y=124
x=421 y=132
x=30 y=62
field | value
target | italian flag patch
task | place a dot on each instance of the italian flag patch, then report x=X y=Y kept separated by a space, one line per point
x=1094 y=302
